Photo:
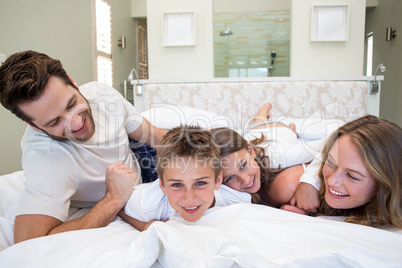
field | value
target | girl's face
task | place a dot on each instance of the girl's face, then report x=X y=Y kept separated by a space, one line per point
x=241 y=172
x=348 y=182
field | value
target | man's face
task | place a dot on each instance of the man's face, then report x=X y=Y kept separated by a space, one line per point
x=61 y=112
x=189 y=186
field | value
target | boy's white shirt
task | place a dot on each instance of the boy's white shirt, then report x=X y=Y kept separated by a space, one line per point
x=148 y=202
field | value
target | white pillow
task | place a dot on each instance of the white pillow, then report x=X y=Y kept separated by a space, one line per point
x=169 y=116
x=11 y=188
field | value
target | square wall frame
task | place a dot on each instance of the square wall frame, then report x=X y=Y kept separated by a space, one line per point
x=329 y=23
x=178 y=29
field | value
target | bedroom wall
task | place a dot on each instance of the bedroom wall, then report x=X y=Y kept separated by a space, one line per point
x=387 y=14
x=243 y=6
x=123 y=25
x=61 y=29
x=180 y=62
x=327 y=59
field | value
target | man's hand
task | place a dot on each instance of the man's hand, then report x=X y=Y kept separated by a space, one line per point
x=306 y=198
x=120 y=181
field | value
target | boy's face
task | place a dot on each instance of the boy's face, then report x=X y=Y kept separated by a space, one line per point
x=189 y=186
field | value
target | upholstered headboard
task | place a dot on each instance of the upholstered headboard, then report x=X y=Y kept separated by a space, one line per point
x=345 y=100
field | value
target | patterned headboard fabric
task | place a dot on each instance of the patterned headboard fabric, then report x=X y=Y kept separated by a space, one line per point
x=345 y=100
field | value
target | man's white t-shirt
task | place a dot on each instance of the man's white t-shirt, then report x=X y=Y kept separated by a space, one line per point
x=63 y=173
x=148 y=202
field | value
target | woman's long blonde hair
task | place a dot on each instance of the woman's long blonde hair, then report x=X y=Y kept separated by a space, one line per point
x=379 y=143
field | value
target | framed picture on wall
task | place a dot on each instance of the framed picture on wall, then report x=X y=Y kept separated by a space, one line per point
x=329 y=23
x=178 y=29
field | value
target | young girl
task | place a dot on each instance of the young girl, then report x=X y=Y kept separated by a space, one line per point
x=251 y=164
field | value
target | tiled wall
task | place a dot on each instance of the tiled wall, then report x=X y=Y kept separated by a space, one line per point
x=251 y=45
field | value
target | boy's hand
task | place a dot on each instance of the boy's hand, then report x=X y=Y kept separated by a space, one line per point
x=120 y=181
x=152 y=221
x=306 y=198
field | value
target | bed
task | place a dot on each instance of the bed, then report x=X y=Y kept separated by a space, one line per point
x=241 y=235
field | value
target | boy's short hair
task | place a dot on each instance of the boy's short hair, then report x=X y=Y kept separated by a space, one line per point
x=191 y=142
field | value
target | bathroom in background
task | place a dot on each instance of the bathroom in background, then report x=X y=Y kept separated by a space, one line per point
x=252 y=44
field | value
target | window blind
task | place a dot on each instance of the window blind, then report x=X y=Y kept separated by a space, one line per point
x=104 y=41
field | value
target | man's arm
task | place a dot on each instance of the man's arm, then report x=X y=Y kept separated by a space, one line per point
x=120 y=179
x=147 y=133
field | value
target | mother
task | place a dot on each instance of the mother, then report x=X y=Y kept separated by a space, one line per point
x=361 y=173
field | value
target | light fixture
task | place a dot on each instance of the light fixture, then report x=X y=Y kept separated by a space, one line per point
x=374 y=88
x=139 y=88
x=122 y=42
x=391 y=34
x=226 y=32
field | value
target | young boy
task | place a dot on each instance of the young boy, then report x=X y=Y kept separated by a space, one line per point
x=189 y=169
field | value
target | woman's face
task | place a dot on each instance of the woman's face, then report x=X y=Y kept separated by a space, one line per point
x=348 y=182
x=241 y=172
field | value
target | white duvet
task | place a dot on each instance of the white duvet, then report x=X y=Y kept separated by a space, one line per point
x=241 y=235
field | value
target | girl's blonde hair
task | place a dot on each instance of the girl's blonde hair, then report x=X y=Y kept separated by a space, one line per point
x=379 y=143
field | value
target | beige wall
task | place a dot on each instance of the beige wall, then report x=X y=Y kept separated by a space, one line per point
x=243 y=6
x=123 y=25
x=138 y=8
x=61 y=29
x=192 y=62
x=327 y=59
x=387 y=14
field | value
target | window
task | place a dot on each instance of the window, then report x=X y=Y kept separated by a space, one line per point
x=103 y=17
x=142 y=49
x=369 y=56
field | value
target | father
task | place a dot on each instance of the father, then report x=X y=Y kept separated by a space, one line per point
x=75 y=149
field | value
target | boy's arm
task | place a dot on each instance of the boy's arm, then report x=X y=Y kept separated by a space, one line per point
x=137 y=224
